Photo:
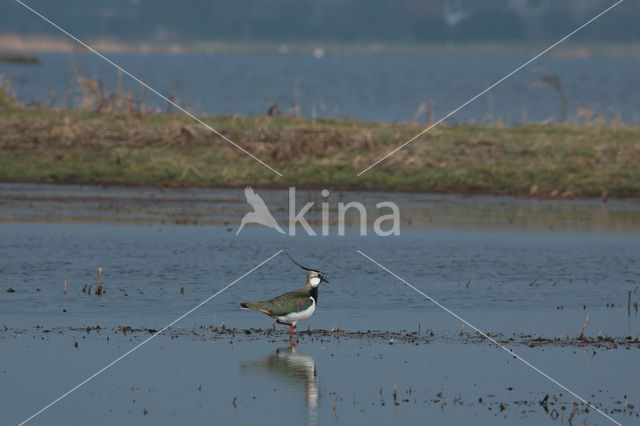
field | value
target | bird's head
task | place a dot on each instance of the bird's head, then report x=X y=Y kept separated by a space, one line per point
x=314 y=278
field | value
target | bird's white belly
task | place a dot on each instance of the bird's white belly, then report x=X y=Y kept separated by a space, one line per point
x=294 y=317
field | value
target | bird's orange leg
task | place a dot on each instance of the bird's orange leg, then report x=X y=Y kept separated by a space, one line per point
x=292 y=329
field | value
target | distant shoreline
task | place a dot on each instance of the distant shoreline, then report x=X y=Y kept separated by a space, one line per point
x=57 y=44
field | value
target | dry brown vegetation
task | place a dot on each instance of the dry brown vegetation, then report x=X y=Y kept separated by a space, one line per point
x=112 y=138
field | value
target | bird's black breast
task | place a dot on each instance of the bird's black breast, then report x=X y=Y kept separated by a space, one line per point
x=314 y=293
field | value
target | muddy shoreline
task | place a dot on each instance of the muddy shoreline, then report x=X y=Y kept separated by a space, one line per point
x=223 y=206
x=273 y=334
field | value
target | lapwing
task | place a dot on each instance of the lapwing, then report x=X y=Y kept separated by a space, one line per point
x=292 y=367
x=294 y=306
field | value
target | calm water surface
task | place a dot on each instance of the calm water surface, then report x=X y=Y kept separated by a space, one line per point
x=367 y=87
x=188 y=381
x=539 y=275
x=532 y=280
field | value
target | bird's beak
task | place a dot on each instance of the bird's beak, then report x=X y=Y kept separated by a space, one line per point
x=324 y=279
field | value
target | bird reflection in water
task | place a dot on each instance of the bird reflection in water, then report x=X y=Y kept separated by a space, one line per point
x=291 y=367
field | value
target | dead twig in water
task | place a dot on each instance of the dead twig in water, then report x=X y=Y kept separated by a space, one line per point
x=65 y=288
x=99 y=290
x=586 y=321
x=573 y=413
x=234 y=402
x=395 y=392
x=545 y=403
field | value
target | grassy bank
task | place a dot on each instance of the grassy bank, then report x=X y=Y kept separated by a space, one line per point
x=52 y=145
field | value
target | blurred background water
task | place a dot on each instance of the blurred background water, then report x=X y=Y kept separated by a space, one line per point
x=385 y=87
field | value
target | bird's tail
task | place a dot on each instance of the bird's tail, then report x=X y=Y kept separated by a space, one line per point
x=245 y=306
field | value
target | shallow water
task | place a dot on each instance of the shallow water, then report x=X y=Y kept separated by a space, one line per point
x=190 y=380
x=505 y=278
x=550 y=275
x=21 y=202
